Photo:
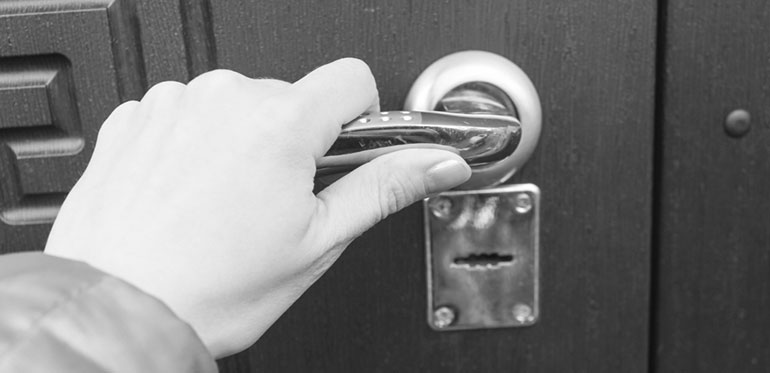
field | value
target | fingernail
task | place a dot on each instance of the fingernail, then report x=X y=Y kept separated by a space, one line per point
x=446 y=175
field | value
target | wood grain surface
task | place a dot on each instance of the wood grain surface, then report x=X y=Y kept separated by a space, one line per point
x=713 y=246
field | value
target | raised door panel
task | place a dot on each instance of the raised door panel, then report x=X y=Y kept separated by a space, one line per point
x=63 y=67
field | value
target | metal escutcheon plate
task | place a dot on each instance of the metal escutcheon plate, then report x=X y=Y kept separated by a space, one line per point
x=482 y=257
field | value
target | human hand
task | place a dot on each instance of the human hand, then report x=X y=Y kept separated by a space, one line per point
x=202 y=195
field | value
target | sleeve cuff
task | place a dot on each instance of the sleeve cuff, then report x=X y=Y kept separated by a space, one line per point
x=58 y=314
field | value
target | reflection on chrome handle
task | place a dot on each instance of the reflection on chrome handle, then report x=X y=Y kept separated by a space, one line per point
x=478 y=138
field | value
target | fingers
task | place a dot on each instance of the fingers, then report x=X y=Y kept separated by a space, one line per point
x=383 y=186
x=131 y=118
x=331 y=96
x=313 y=109
x=134 y=119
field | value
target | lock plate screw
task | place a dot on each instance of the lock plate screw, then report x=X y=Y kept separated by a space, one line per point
x=441 y=207
x=523 y=203
x=443 y=317
x=522 y=313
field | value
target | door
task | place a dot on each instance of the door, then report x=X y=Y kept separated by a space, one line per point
x=713 y=185
x=65 y=64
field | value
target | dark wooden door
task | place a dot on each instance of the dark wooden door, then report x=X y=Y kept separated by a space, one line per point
x=713 y=215
x=593 y=64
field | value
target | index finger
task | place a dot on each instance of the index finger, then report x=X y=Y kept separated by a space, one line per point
x=331 y=96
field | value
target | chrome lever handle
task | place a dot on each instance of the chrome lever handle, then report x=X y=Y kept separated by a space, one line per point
x=478 y=138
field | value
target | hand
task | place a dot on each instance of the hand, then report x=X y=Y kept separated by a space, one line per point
x=202 y=195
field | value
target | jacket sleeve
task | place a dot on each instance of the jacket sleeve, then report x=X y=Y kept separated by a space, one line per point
x=59 y=315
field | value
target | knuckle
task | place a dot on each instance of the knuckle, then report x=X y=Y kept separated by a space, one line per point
x=216 y=79
x=273 y=83
x=391 y=201
x=164 y=87
x=163 y=90
x=355 y=65
x=105 y=132
x=214 y=89
x=115 y=121
x=395 y=190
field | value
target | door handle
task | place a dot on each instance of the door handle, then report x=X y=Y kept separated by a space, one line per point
x=478 y=138
x=481 y=240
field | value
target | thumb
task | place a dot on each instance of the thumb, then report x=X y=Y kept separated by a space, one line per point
x=385 y=185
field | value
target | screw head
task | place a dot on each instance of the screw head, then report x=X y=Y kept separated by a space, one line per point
x=522 y=313
x=738 y=123
x=523 y=203
x=443 y=317
x=441 y=207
